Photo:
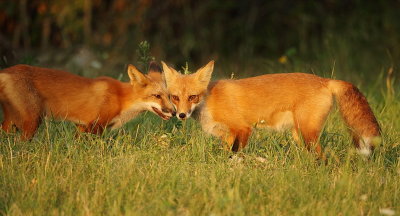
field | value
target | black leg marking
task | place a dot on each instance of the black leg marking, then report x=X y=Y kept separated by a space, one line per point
x=235 y=146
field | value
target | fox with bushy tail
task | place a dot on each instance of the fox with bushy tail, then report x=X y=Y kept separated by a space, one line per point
x=230 y=109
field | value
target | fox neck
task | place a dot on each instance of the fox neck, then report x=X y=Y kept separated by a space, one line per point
x=200 y=107
x=130 y=106
x=197 y=111
x=130 y=99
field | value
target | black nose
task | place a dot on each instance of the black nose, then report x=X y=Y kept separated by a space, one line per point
x=182 y=115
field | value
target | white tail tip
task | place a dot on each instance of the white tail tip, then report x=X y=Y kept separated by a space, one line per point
x=366 y=145
x=364 y=151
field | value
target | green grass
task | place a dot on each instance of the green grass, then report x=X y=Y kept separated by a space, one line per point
x=150 y=167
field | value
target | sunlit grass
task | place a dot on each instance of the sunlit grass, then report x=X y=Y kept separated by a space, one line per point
x=154 y=167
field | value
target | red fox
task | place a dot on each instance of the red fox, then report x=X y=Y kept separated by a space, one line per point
x=229 y=109
x=27 y=94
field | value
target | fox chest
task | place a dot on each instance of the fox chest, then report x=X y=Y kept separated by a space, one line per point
x=210 y=125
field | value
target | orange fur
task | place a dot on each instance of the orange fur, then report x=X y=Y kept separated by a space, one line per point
x=27 y=94
x=230 y=109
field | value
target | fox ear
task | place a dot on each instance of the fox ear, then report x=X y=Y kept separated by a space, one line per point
x=136 y=76
x=204 y=74
x=169 y=73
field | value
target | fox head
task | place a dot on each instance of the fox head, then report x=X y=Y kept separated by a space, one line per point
x=151 y=90
x=187 y=91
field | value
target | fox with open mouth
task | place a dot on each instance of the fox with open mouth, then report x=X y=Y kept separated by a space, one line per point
x=28 y=93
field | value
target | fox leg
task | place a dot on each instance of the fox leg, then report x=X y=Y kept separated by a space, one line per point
x=235 y=139
x=29 y=124
x=241 y=139
x=26 y=119
x=29 y=128
x=228 y=140
x=94 y=128
x=296 y=136
x=310 y=137
x=97 y=129
x=7 y=123
x=81 y=128
x=309 y=123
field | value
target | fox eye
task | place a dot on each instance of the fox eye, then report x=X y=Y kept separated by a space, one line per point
x=193 y=97
x=157 y=96
x=175 y=98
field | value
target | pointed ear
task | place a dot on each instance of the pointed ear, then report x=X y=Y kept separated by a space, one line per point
x=170 y=74
x=136 y=76
x=204 y=74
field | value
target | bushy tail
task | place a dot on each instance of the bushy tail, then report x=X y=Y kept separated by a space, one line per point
x=357 y=114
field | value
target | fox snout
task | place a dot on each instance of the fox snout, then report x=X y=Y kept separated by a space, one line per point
x=184 y=110
x=167 y=107
x=182 y=116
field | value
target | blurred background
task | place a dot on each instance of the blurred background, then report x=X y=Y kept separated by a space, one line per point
x=355 y=39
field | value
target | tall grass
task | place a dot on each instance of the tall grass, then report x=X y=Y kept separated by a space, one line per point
x=155 y=167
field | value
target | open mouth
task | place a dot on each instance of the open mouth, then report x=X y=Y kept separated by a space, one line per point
x=161 y=114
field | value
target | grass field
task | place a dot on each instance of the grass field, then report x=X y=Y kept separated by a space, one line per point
x=155 y=167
